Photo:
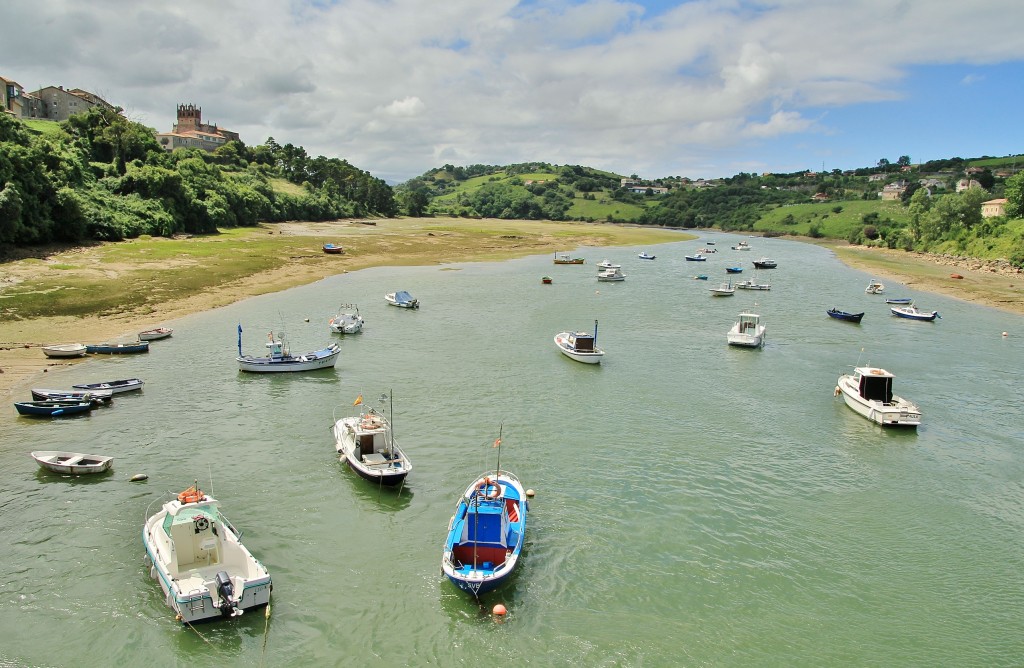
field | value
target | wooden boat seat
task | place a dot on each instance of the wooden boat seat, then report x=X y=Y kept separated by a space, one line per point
x=374 y=458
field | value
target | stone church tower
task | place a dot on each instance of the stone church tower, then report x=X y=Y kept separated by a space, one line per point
x=190 y=118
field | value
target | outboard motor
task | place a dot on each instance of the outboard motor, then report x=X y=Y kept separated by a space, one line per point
x=226 y=590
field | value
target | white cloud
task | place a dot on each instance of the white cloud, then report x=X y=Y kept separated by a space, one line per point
x=399 y=86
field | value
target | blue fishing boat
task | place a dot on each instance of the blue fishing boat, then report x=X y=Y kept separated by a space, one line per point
x=913 y=313
x=117 y=348
x=701 y=277
x=281 y=360
x=843 y=315
x=402 y=299
x=52 y=408
x=734 y=270
x=696 y=258
x=486 y=532
x=333 y=249
x=646 y=256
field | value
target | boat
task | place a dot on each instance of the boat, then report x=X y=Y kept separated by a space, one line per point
x=196 y=555
x=402 y=299
x=843 y=315
x=545 y=280
x=65 y=350
x=333 y=249
x=347 y=321
x=117 y=348
x=701 y=277
x=899 y=300
x=741 y=246
x=280 y=358
x=956 y=276
x=765 y=263
x=874 y=288
x=734 y=270
x=95 y=396
x=75 y=463
x=750 y=284
x=114 y=386
x=607 y=264
x=52 y=408
x=610 y=275
x=707 y=250
x=366 y=442
x=868 y=391
x=645 y=256
x=747 y=331
x=155 y=334
x=911 y=312
x=580 y=346
x=695 y=258
x=566 y=258
x=486 y=532
x=710 y=243
x=723 y=290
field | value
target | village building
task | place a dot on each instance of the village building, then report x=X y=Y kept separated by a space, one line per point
x=993 y=207
x=966 y=184
x=57 y=104
x=894 y=190
x=16 y=102
x=191 y=132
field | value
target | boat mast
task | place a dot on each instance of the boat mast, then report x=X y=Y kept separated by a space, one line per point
x=497 y=444
x=595 y=333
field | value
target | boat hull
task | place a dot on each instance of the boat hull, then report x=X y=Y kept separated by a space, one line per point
x=113 y=386
x=915 y=315
x=118 y=349
x=844 y=316
x=52 y=408
x=66 y=350
x=73 y=463
x=586 y=357
x=155 y=334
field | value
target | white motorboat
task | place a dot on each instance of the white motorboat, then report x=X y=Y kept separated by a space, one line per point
x=75 y=463
x=280 y=358
x=580 y=346
x=196 y=555
x=607 y=264
x=155 y=334
x=65 y=350
x=748 y=331
x=610 y=275
x=751 y=284
x=646 y=256
x=741 y=246
x=402 y=299
x=874 y=288
x=723 y=290
x=868 y=391
x=347 y=321
x=366 y=443
x=911 y=312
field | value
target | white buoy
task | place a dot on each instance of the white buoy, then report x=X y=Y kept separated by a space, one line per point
x=530 y=493
x=1005 y=335
x=138 y=477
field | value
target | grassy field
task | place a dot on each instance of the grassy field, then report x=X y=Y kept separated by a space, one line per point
x=830 y=223
x=42 y=127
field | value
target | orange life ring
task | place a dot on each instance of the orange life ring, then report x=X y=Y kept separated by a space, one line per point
x=191 y=495
x=876 y=372
x=482 y=486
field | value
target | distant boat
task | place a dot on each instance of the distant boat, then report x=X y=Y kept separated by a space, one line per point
x=645 y=256
x=347 y=321
x=155 y=334
x=607 y=264
x=707 y=250
x=868 y=391
x=750 y=284
x=118 y=348
x=281 y=360
x=566 y=258
x=611 y=275
x=74 y=463
x=843 y=315
x=95 y=396
x=734 y=270
x=333 y=249
x=52 y=408
x=695 y=258
x=580 y=346
x=723 y=290
x=701 y=277
x=113 y=386
x=402 y=299
x=546 y=280
x=899 y=300
x=913 y=313
x=741 y=246
x=874 y=288
x=65 y=350
x=765 y=263
x=747 y=331
x=366 y=442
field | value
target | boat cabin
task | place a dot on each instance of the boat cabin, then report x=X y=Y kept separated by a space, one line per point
x=748 y=323
x=485 y=532
x=372 y=439
x=195 y=542
x=874 y=385
x=581 y=342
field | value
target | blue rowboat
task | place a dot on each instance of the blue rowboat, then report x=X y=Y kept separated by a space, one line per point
x=52 y=408
x=899 y=300
x=843 y=315
x=734 y=270
x=117 y=348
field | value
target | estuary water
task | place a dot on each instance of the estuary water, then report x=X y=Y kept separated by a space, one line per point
x=696 y=504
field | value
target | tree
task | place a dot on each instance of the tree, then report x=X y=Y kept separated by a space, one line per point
x=903 y=161
x=1014 y=191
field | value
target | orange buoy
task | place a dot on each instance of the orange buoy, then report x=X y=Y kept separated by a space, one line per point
x=499 y=610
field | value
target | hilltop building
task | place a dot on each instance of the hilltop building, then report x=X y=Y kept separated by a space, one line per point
x=993 y=207
x=191 y=132
x=57 y=104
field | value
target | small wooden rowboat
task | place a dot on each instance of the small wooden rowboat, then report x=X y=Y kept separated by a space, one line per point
x=75 y=463
x=114 y=386
x=52 y=408
x=118 y=348
x=155 y=334
x=65 y=350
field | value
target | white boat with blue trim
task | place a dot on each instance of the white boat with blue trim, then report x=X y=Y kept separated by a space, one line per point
x=280 y=358
x=580 y=346
x=203 y=568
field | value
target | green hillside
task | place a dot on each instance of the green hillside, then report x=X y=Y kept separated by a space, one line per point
x=833 y=220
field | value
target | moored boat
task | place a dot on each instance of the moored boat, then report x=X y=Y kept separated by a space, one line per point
x=486 y=533
x=644 y=256
x=741 y=246
x=65 y=350
x=911 y=312
x=734 y=270
x=118 y=348
x=868 y=391
x=843 y=315
x=580 y=346
x=281 y=360
x=607 y=264
x=52 y=408
x=347 y=320
x=611 y=275
x=566 y=258
x=723 y=290
x=95 y=396
x=113 y=386
x=765 y=263
x=701 y=277
x=366 y=442
x=155 y=334
x=546 y=280
x=402 y=299
x=73 y=463
x=751 y=284
x=333 y=249
x=196 y=555
x=874 y=288
x=747 y=331
x=695 y=258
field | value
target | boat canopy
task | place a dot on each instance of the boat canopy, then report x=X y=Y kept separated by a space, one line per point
x=582 y=341
x=876 y=388
x=485 y=523
x=402 y=296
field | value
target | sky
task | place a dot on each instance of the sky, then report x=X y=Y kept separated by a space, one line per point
x=655 y=88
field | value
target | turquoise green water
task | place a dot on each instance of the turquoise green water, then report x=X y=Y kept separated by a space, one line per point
x=696 y=504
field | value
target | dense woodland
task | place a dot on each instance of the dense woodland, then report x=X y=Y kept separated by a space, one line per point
x=100 y=176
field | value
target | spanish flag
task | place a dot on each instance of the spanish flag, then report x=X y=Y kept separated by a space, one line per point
x=497 y=442
x=358 y=400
